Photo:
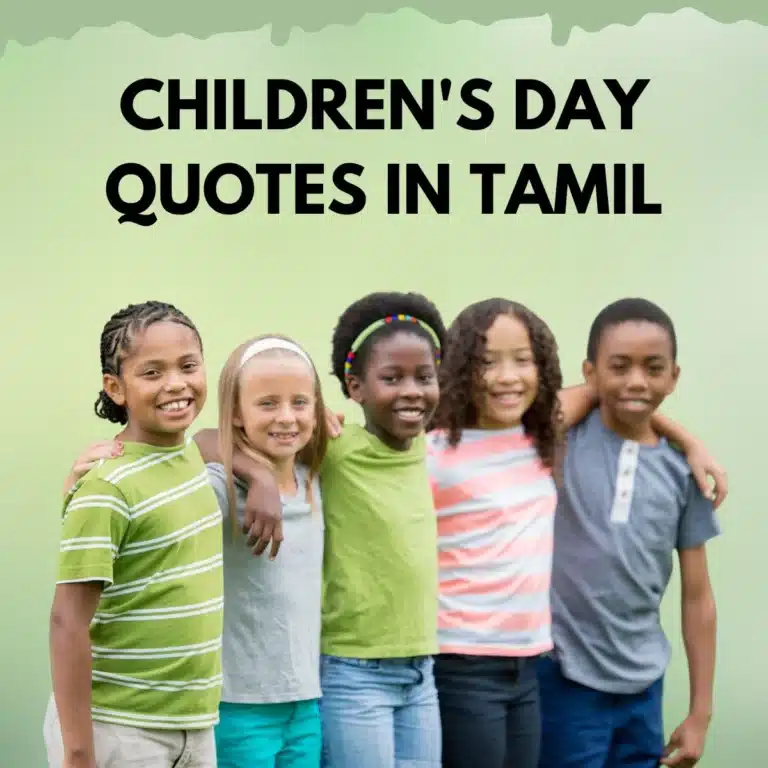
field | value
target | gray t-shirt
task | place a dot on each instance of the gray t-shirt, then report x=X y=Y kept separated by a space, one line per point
x=271 y=644
x=623 y=511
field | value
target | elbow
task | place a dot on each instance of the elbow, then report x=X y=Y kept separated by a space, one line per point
x=59 y=623
x=64 y=626
x=700 y=613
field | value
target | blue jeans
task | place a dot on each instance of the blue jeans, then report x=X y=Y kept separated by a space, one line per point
x=489 y=706
x=379 y=713
x=269 y=735
x=585 y=728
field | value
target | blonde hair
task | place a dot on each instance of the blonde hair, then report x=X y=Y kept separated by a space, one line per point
x=232 y=437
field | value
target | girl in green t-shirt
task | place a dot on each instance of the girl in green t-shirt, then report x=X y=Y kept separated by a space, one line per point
x=379 y=621
x=379 y=626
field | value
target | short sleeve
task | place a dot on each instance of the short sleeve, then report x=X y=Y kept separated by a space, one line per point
x=698 y=523
x=95 y=521
x=217 y=476
x=430 y=444
x=338 y=447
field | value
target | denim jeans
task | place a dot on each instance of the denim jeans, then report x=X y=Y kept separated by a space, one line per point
x=379 y=713
x=489 y=709
x=585 y=728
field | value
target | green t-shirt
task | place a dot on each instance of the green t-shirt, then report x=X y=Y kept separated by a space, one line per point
x=149 y=526
x=380 y=572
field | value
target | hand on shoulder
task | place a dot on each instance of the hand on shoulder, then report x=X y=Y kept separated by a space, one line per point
x=90 y=458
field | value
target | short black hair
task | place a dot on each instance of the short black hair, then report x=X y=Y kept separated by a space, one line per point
x=461 y=373
x=366 y=311
x=116 y=339
x=627 y=311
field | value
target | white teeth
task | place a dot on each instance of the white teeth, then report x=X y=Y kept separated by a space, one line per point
x=178 y=405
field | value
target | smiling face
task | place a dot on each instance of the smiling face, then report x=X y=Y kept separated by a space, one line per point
x=161 y=384
x=509 y=376
x=277 y=405
x=634 y=371
x=398 y=390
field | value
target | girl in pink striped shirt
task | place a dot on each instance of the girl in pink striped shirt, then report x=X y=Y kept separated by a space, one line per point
x=492 y=456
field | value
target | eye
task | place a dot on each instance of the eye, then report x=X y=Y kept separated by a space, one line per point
x=151 y=373
x=191 y=366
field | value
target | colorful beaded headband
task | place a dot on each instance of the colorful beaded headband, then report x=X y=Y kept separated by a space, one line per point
x=373 y=327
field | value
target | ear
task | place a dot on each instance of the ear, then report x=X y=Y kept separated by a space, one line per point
x=114 y=388
x=675 y=377
x=355 y=389
x=237 y=421
x=588 y=371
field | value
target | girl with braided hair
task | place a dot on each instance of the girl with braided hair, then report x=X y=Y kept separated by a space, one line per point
x=379 y=705
x=136 y=622
x=496 y=433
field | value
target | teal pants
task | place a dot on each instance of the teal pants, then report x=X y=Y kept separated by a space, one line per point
x=269 y=735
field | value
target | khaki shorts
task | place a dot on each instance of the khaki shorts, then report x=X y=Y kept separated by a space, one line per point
x=121 y=746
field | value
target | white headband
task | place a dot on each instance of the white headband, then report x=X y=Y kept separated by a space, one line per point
x=263 y=345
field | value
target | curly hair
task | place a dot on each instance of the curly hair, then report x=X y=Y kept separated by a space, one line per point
x=116 y=339
x=460 y=375
x=366 y=311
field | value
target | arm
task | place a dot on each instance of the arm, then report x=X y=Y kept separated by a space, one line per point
x=699 y=620
x=94 y=525
x=576 y=403
x=243 y=467
x=74 y=606
x=703 y=466
x=90 y=458
x=263 y=513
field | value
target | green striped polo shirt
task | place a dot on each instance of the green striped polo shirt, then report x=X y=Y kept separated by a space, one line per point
x=148 y=525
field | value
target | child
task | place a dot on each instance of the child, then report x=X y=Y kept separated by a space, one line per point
x=491 y=462
x=466 y=355
x=271 y=408
x=627 y=502
x=379 y=707
x=136 y=622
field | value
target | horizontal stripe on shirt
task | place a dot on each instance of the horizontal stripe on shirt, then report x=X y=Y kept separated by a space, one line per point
x=495 y=503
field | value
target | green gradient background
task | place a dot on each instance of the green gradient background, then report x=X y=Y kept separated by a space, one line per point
x=700 y=127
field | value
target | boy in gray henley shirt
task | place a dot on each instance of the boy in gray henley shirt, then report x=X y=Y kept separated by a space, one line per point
x=627 y=502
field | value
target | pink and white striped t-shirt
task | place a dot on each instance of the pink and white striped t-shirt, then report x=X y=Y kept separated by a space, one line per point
x=495 y=505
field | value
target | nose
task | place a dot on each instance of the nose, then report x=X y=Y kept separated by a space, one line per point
x=410 y=389
x=175 y=382
x=636 y=380
x=285 y=414
x=508 y=372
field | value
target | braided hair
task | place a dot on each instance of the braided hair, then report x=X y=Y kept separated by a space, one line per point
x=366 y=311
x=116 y=339
x=461 y=374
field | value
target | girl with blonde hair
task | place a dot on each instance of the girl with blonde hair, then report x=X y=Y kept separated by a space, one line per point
x=271 y=409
